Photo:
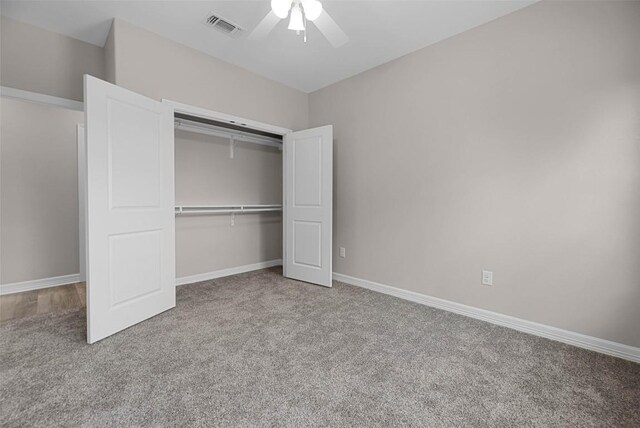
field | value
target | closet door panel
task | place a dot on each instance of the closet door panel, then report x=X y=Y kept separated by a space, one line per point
x=130 y=208
x=308 y=205
x=135 y=146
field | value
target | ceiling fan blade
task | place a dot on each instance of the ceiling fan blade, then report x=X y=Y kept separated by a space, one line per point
x=331 y=30
x=264 y=27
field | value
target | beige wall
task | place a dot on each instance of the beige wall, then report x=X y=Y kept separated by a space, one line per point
x=38 y=151
x=205 y=174
x=513 y=147
x=109 y=57
x=160 y=68
x=43 y=243
x=37 y=60
x=39 y=191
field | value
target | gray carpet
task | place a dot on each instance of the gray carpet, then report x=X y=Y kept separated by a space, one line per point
x=260 y=350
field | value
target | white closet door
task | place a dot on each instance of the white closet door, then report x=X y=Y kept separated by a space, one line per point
x=308 y=160
x=130 y=208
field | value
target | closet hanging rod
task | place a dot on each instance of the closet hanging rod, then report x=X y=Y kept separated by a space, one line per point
x=225 y=209
x=238 y=206
x=215 y=212
x=200 y=128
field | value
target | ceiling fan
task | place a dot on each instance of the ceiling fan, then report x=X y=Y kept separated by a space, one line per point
x=301 y=12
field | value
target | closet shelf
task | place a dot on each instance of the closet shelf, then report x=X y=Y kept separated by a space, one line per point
x=225 y=209
x=232 y=135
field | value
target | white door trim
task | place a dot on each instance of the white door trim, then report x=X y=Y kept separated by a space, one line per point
x=226 y=118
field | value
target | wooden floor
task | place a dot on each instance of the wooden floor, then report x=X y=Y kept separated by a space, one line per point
x=45 y=301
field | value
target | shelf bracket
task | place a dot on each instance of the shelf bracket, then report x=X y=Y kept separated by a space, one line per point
x=232 y=146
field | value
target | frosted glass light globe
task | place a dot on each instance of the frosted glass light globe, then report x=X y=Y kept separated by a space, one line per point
x=281 y=7
x=312 y=9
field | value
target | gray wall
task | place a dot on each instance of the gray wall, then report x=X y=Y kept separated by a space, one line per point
x=513 y=147
x=37 y=60
x=38 y=191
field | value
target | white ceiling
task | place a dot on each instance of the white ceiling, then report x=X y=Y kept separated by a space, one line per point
x=379 y=31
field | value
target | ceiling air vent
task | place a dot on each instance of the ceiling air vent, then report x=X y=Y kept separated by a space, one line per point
x=223 y=25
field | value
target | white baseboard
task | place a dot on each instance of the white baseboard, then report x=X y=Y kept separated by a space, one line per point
x=227 y=272
x=615 y=349
x=37 y=284
x=620 y=350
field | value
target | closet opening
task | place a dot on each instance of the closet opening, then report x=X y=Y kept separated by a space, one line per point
x=228 y=196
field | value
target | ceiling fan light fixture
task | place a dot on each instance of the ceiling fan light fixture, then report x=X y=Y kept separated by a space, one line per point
x=312 y=9
x=296 y=19
x=281 y=8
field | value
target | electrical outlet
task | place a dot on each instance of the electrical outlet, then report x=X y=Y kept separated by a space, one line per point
x=343 y=252
x=487 y=277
